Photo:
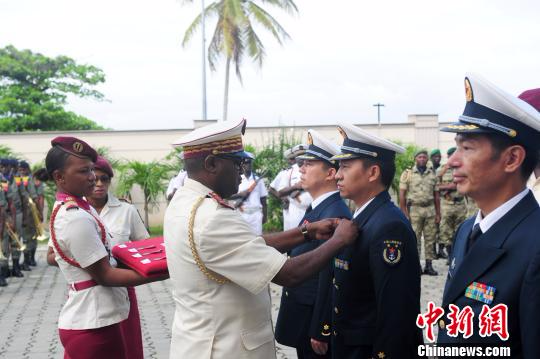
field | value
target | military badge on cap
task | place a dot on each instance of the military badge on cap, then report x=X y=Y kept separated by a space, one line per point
x=320 y=148
x=216 y=139
x=392 y=252
x=489 y=109
x=75 y=147
x=358 y=143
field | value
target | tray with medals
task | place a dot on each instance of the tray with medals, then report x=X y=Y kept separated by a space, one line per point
x=147 y=256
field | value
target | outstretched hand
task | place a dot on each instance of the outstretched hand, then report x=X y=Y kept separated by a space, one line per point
x=346 y=231
x=322 y=229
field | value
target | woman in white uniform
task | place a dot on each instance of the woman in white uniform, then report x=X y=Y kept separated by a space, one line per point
x=124 y=224
x=89 y=322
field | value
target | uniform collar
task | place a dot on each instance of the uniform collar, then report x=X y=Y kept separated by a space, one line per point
x=197 y=187
x=492 y=218
x=321 y=198
x=64 y=197
x=112 y=201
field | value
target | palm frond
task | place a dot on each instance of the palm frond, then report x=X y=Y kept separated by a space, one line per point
x=288 y=5
x=268 y=22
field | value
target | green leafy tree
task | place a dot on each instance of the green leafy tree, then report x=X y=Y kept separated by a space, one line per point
x=151 y=177
x=235 y=36
x=34 y=89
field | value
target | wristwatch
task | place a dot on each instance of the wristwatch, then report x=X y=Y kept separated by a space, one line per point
x=305 y=233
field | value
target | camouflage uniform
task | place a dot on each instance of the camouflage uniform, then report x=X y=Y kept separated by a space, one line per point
x=421 y=206
x=453 y=207
x=26 y=189
x=4 y=266
x=472 y=208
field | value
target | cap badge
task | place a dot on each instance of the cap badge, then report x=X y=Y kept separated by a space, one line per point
x=78 y=147
x=309 y=139
x=468 y=91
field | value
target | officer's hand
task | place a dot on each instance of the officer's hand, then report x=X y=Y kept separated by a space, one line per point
x=346 y=231
x=322 y=229
x=319 y=347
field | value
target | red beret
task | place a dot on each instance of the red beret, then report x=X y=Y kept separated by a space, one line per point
x=532 y=97
x=75 y=147
x=104 y=165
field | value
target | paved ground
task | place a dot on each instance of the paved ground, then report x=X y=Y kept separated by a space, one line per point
x=29 y=309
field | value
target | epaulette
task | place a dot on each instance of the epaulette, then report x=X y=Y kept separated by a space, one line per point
x=220 y=200
x=406 y=175
x=71 y=205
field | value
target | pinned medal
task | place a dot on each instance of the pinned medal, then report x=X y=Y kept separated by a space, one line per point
x=341 y=264
x=480 y=292
x=392 y=252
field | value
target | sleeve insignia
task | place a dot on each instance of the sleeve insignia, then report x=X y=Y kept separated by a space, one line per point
x=381 y=355
x=71 y=204
x=326 y=330
x=392 y=252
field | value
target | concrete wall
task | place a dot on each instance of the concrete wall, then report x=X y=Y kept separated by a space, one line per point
x=148 y=145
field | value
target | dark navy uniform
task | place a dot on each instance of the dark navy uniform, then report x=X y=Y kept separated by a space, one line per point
x=306 y=310
x=507 y=259
x=496 y=262
x=377 y=287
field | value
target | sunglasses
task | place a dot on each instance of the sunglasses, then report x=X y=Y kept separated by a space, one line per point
x=103 y=179
x=238 y=161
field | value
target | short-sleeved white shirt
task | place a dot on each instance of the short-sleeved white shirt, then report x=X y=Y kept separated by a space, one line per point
x=254 y=199
x=278 y=182
x=79 y=237
x=231 y=320
x=123 y=221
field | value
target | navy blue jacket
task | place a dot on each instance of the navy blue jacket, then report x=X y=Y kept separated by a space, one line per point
x=506 y=257
x=377 y=287
x=305 y=310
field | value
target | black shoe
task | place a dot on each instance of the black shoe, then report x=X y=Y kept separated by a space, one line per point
x=428 y=269
x=16 y=270
x=32 y=258
x=25 y=266
x=3 y=272
x=442 y=252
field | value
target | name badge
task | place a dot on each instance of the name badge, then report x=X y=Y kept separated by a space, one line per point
x=480 y=292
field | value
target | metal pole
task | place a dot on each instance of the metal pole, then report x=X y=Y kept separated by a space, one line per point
x=378 y=105
x=204 y=116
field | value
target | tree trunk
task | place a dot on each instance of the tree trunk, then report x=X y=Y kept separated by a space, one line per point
x=146 y=212
x=226 y=95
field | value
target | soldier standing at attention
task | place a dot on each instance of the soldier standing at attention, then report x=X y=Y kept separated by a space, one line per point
x=220 y=270
x=27 y=191
x=251 y=197
x=435 y=158
x=453 y=208
x=4 y=254
x=495 y=266
x=377 y=279
x=305 y=314
x=419 y=200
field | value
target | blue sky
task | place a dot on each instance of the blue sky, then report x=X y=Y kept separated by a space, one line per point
x=343 y=56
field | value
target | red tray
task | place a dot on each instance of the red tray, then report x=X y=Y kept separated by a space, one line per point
x=146 y=256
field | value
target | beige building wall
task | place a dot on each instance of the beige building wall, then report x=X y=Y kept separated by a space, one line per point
x=149 y=145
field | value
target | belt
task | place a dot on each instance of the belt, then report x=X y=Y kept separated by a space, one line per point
x=426 y=204
x=76 y=287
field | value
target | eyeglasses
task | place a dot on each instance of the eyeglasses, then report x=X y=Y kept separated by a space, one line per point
x=103 y=179
x=238 y=161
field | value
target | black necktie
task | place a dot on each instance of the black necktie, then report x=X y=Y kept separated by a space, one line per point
x=475 y=233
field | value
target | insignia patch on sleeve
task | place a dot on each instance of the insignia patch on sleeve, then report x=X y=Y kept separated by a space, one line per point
x=392 y=252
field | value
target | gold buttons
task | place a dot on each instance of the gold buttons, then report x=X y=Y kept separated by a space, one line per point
x=442 y=324
x=336 y=310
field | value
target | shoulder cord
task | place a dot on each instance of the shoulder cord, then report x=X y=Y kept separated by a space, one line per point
x=194 y=252
x=61 y=253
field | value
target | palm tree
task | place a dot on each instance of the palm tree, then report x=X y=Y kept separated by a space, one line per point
x=234 y=34
x=151 y=177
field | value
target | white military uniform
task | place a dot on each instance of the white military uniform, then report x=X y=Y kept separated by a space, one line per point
x=276 y=184
x=79 y=237
x=251 y=209
x=123 y=221
x=231 y=320
x=297 y=205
